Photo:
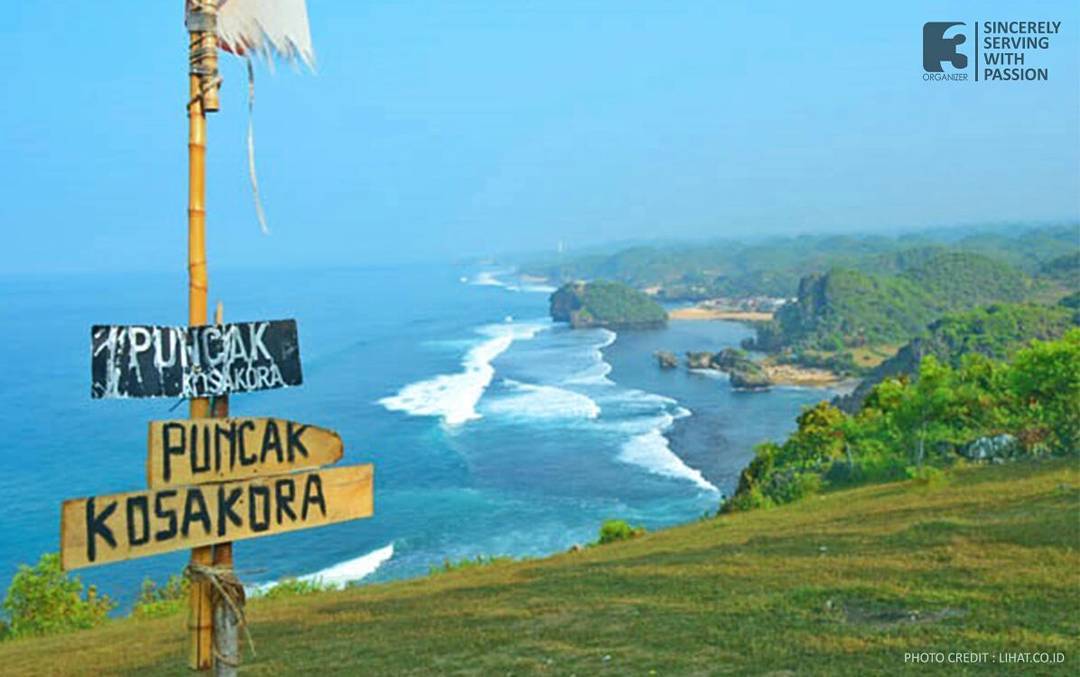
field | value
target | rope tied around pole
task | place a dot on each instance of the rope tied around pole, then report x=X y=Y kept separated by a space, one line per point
x=228 y=588
x=201 y=22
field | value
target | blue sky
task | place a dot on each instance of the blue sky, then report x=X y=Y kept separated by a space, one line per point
x=435 y=130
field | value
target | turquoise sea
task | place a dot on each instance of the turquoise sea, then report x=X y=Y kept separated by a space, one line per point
x=493 y=431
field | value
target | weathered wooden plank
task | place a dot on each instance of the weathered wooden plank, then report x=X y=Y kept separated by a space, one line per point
x=192 y=362
x=190 y=451
x=139 y=523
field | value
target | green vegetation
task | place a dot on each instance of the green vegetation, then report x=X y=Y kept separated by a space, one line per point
x=847 y=309
x=774 y=266
x=997 y=331
x=956 y=280
x=295 y=587
x=980 y=409
x=844 y=584
x=468 y=563
x=155 y=601
x=43 y=600
x=906 y=545
x=605 y=304
x=858 y=298
x=1064 y=270
x=613 y=531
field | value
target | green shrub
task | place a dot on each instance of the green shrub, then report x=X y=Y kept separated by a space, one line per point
x=866 y=467
x=794 y=486
x=43 y=600
x=927 y=475
x=749 y=499
x=618 y=530
x=155 y=601
x=467 y=563
x=295 y=587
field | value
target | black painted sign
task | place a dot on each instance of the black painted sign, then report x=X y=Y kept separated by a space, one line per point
x=206 y=361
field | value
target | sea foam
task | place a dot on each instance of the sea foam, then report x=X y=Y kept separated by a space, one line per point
x=650 y=450
x=534 y=288
x=489 y=278
x=453 y=397
x=597 y=372
x=532 y=401
x=341 y=574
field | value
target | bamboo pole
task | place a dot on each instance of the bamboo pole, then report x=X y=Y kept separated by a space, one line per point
x=202 y=90
x=226 y=624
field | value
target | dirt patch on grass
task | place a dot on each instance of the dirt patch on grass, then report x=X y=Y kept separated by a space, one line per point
x=878 y=616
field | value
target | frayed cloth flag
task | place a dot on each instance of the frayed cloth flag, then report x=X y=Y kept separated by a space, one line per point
x=267 y=28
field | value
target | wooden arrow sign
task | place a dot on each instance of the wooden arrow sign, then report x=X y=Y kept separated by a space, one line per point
x=125 y=526
x=195 y=451
x=191 y=362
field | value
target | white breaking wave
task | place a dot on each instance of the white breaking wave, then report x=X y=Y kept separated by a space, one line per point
x=533 y=288
x=597 y=373
x=709 y=373
x=640 y=418
x=340 y=574
x=609 y=338
x=488 y=278
x=526 y=400
x=650 y=450
x=454 y=397
x=641 y=402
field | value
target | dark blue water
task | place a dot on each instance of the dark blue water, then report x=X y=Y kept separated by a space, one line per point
x=492 y=431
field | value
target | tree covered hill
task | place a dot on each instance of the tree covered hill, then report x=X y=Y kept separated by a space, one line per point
x=1064 y=270
x=605 y=304
x=997 y=331
x=981 y=409
x=774 y=266
x=848 y=308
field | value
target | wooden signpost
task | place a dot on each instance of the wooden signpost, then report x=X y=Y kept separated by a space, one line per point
x=190 y=451
x=212 y=479
x=124 y=526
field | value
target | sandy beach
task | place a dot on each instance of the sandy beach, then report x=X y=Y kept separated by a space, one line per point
x=789 y=374
x=699 y=313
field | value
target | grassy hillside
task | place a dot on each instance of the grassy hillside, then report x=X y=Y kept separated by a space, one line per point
x=841 y=584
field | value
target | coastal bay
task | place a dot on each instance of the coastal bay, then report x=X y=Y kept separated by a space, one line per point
x=526 y=434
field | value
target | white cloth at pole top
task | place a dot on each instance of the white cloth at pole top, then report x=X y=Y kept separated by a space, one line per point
x=266 y=27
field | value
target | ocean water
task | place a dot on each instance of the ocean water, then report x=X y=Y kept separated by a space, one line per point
x=493 y=430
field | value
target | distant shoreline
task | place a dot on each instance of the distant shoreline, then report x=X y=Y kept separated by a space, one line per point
x=699 y=313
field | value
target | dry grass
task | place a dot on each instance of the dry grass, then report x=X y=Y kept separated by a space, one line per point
x=842 y=584
x=868 y=357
